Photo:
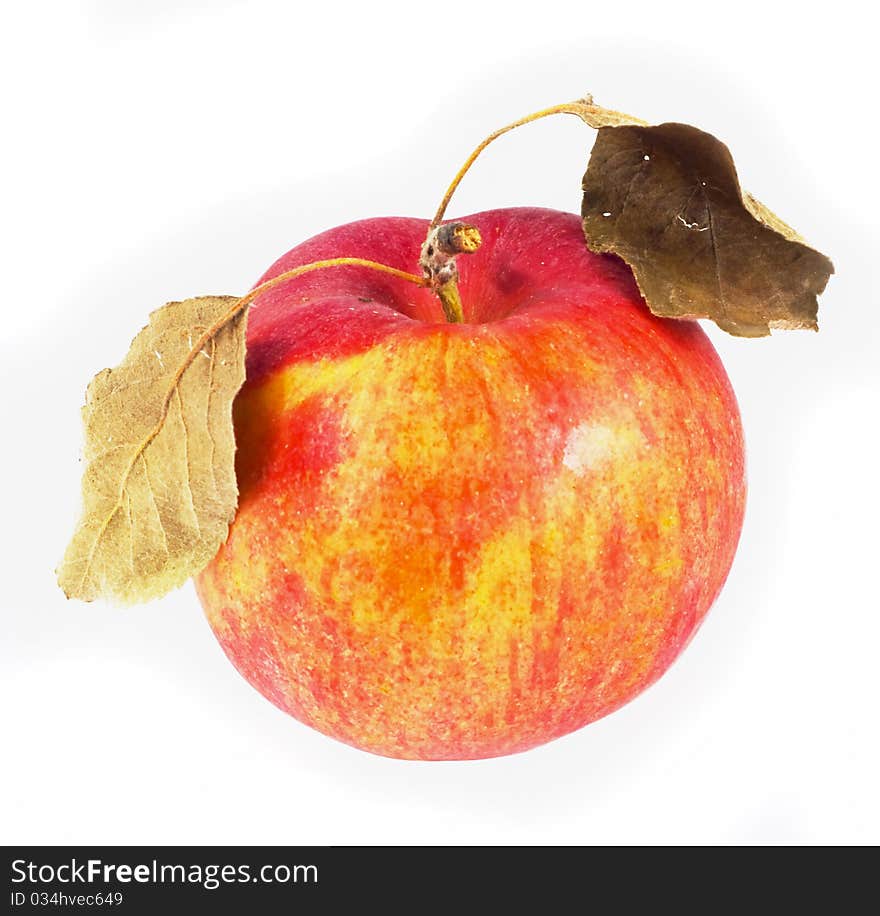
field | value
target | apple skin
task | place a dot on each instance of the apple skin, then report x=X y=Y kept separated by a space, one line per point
x=457 y=541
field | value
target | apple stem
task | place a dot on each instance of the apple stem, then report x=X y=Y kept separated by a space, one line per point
x=565 y=108
x=242 y=303
x=321 y=265
x=446 y=241
x=437 y=260
x=295 y=272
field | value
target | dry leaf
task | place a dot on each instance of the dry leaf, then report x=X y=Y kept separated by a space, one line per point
x=159 y=487
x=598 y=117
x=667 y=200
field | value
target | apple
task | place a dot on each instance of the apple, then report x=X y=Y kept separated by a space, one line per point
x=462 y=540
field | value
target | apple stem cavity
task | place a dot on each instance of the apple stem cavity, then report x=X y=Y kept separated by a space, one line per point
x=439 y=251
x=447 y=240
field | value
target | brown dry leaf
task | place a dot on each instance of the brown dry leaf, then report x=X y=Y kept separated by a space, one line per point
x=667 y=200
x=159 y=488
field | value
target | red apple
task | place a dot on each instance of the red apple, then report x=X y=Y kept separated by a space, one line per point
x=464 y=540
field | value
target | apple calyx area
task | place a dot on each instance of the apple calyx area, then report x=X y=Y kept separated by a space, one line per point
x=439 y=251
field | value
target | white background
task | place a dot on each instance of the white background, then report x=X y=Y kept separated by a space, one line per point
x=157 y=150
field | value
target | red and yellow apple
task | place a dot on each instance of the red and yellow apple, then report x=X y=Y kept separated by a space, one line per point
x=464 y=540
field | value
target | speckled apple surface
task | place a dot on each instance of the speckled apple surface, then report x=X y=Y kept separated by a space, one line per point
x=461 y=541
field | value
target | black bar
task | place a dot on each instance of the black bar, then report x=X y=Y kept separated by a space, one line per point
x=134 y=880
